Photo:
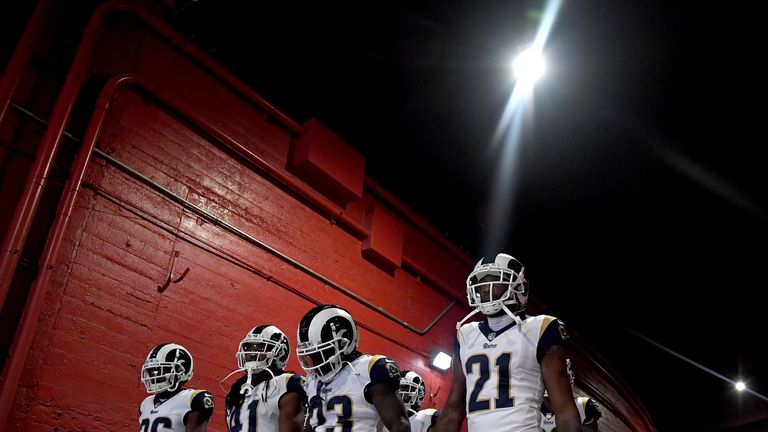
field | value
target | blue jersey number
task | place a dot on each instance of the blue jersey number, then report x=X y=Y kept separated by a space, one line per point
x=160 y=421
x=234 y=418
x=503 y=365
x=344 y=419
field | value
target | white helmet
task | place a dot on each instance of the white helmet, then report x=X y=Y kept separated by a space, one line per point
x=167 y=367
x=504 y=270
x=325 y=333
x=262 y=347
x=412 y=390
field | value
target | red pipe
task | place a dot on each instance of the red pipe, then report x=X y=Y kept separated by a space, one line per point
x=35 y=301
x=25 y=333
x=38 y=176
x=18 y=229
x=16 y=234
x=20 y=60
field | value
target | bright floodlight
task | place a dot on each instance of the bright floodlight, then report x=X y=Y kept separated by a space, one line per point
x=528 y=67
x=440 y=360
x=740 y=386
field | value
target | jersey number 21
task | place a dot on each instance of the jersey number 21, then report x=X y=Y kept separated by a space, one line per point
x=502 y=364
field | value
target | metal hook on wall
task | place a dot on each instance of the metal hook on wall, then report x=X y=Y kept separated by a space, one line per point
x=170 y=279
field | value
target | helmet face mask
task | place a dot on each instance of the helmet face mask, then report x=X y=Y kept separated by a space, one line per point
x=412 y=390
x=325 y=334
x=167 y=367
x=501 y=282
x=262 y=347
x=323 y=360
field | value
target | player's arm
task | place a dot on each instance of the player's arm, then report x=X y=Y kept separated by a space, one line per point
x=554 y=371
x=291 y=410
x=196 y=422
x=382 y=393
x=453 y=414
x=390 y=407
x=201 y=410
x=291 y=406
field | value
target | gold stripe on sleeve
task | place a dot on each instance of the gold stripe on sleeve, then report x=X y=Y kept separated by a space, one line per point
x=194 y=393
x=373 y=360
x=547 y=319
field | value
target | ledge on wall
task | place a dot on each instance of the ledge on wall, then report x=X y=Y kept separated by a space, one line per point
x=327 y=163
x=384 y=244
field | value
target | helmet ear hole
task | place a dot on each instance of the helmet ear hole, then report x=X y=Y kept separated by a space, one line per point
x=350 y=344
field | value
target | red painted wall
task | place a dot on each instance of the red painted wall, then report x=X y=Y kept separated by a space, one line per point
x=103 y=311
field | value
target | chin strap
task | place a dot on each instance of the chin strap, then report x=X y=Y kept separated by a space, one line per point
x=514 y=317
x=226 y=377
x=503 y=307
x=247 y=388
x=458 y=324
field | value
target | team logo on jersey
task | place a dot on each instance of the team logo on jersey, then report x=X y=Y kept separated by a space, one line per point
x=563 y=334
x=487 y=346
x=392 y=369
x=208 y=402
x=491 y=336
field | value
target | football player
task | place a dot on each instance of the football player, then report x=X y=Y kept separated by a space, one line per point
x=348 y=390
x=266 y=398
x=412 y=392
x=589 y=412
x=500 y=363
x=172 y=408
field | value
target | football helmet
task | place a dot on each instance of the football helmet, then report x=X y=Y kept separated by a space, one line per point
x=325 y=333
x=503 y=270
x=262 y=347
x=167 y=366
x=412 y=390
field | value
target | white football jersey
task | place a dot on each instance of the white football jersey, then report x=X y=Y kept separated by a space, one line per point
x=168 y=415
x=422 y=420
x=588 y=413
x=343 y=403
x=260 y=409
x=548 y=422
x=503 y=374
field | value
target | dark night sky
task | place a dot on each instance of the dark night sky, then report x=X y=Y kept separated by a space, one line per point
x=639 y=200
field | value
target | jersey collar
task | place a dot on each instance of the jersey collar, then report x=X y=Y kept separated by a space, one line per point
x=161 y=398
x=490 y=334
